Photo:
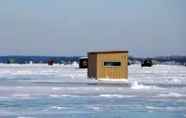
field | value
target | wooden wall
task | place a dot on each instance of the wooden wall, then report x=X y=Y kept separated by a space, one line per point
x=92 y=64
x=119 y=72
x=97 y=69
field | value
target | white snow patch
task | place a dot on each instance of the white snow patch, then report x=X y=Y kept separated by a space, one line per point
x=114 y=96
x=172 y=94
x=95 y=108
x=23 y=72
x=54 y=96
x=136 y=85
x=165 y=108
x=25 y=117
x=57 y=107
x=59 y=96
x=21 y=95
x=56 y=88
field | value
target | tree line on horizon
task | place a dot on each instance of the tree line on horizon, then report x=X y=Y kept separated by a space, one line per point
x=180 y=60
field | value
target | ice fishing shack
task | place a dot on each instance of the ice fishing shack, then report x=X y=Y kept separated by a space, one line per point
x=108 y=65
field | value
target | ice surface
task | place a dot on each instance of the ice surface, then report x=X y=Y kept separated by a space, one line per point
x=39 y=90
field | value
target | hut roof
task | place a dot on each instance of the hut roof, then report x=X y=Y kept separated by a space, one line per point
x=105 y=52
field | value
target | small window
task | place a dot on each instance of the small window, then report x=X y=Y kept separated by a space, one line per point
x=112 y=63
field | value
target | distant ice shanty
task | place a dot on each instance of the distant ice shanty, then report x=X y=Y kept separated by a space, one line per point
x=147 y=63
x=108 y=65
x=83 y=62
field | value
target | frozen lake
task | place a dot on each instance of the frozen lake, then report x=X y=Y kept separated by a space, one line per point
x=42 y=91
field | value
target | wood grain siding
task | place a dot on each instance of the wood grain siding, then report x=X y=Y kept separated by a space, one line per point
x=108 y=65
x=114 y=72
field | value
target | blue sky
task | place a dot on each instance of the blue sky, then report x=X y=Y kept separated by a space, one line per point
x=74 y=27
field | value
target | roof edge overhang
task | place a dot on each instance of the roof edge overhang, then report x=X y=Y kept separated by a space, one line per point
x=105 y=52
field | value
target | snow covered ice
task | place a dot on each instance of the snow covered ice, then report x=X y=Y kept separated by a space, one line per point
x=42 y=91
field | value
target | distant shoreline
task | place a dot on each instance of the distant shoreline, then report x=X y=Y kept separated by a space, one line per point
x=171 y=60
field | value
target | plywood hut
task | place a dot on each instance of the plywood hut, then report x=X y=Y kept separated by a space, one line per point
x=108 y=65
